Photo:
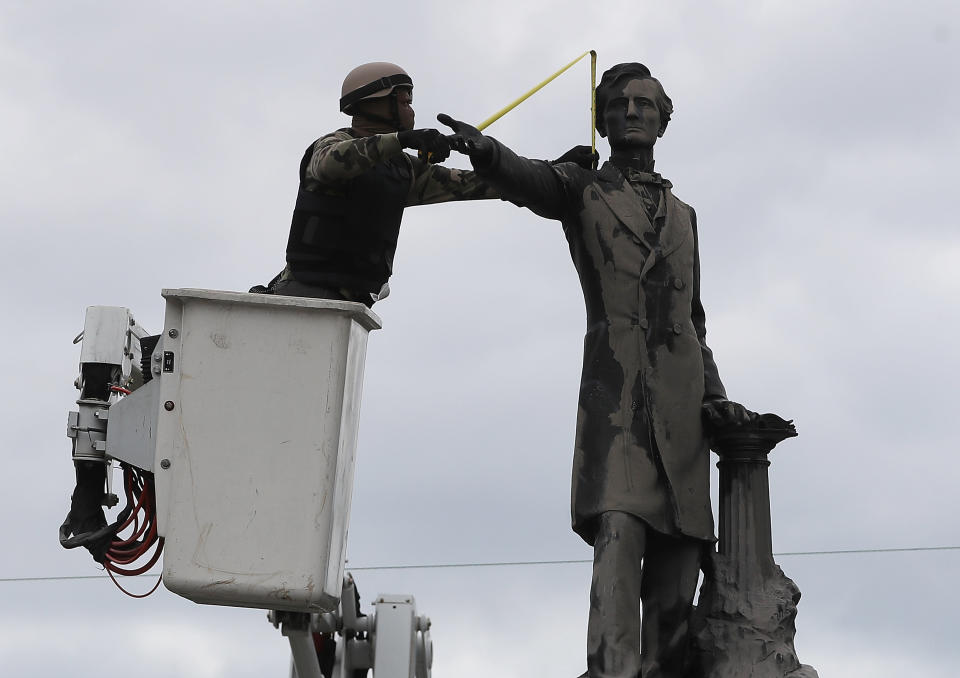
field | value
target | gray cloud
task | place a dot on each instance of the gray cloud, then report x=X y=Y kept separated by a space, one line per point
x=157 y=147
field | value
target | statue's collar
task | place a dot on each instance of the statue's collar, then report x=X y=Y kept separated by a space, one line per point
x=611 y=172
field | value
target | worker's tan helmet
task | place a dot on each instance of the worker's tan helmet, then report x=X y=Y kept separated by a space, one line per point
x=370 y=81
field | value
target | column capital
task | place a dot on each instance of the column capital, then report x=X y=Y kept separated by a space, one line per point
x=751 y=442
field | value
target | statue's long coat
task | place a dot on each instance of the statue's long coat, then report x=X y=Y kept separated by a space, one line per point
x=640 y=445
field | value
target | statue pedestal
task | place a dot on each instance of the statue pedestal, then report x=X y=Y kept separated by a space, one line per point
x=745 y=622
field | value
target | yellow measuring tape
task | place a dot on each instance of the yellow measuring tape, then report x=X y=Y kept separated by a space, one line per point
x=593 y=98
x=593 y=101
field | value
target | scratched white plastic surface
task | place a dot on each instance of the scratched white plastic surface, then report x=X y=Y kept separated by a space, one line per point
x=109 y=336
x=255 y=501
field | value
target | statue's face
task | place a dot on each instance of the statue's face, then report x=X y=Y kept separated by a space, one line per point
x=632 y=117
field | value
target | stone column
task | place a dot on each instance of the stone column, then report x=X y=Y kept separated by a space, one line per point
x=745 y=622
x=745 y=532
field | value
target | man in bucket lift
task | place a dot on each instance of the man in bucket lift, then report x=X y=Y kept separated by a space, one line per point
x=355 y=184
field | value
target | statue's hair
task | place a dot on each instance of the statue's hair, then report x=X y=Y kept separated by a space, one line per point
x=633 y=71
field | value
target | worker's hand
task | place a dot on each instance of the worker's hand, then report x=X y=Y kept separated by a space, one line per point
x=584 y=156
x=722 y=413
x=469 y=140
x=430 y=142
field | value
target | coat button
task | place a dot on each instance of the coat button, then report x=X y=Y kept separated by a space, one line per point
x=644 y=323
x=677 y=329
x=678 y=283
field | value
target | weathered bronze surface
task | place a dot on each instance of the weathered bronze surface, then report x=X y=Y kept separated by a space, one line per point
x=650 y=386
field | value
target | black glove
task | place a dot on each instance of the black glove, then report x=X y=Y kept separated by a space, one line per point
x=432 y=145
x=582 y=155
x=469 y=140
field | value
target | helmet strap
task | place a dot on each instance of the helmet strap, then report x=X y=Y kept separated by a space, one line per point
x=395 y=110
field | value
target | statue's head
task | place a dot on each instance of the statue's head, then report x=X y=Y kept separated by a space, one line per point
x=632 y=108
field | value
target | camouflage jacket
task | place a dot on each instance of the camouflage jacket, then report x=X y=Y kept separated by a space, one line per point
x=340 y=156
x=349 y=244
x=640 y=446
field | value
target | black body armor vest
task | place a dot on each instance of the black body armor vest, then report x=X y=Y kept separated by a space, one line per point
x=345 y=236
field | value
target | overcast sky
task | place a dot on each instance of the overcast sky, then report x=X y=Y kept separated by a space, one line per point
x=150 y=146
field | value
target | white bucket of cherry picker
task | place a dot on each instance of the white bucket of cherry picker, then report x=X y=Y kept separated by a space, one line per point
x=256 y=438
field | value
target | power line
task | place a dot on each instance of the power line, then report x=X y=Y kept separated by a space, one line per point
x=515 y=563
x=67 y=577
x=568 y=562
x=897 y=550
x=439 y=566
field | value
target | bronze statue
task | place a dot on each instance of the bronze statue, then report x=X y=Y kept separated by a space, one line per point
x=641 y=459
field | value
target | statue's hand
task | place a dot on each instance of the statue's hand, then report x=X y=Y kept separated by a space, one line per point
x=584 y=156
x=722 y=413
x=468 y=140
